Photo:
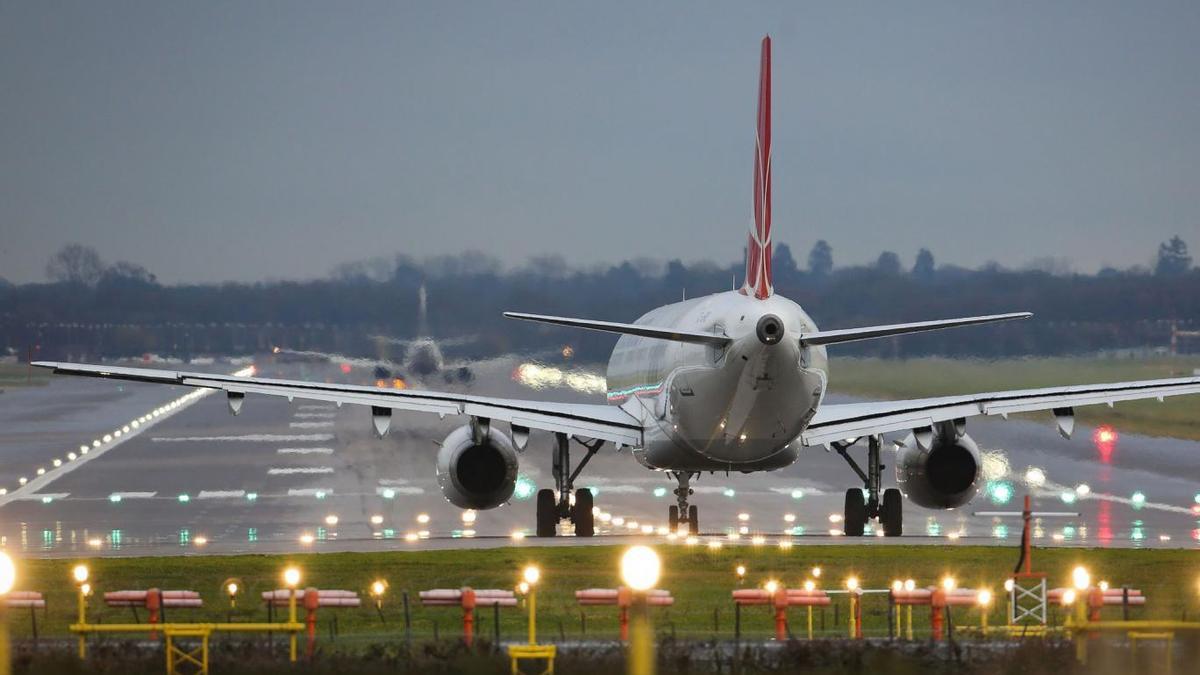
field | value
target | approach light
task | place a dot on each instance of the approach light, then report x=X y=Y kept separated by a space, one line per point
x=984 y=598
x=378 y=587
x=771 y=586
x=231 y=589
x=949 y=583
x=1103 y=586
x=852 y=584
x=1068 y=596
x=897 y=586
x=909 y=584
x=523 y=588
x=816 y=572
x=291 y=577
x=531 y=575
x=740 y=571
x=8 y=573
x=1080 y=578
x=640 y=567
x=810 y=585
x=1009 y=585
x=80 y=573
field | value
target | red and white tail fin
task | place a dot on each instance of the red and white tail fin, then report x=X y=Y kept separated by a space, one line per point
x=758 y=253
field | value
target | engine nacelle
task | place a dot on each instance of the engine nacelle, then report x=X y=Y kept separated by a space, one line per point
x=944 y=476
x=477 y=475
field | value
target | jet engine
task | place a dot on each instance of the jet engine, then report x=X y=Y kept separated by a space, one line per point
x=477 y=475
x=939 y=467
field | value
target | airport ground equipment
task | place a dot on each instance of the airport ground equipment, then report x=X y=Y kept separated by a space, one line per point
x=532 y=651
x=623 y=598
x=311 y=599
x=31 y=600
x=469 y=599
x=939 y=600
x=1026 y=588
x=155 y=601
x=780 y=600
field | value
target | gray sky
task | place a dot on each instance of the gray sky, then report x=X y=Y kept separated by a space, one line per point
x=246 y=140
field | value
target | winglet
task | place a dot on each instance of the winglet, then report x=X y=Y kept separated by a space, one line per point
x=758 y=253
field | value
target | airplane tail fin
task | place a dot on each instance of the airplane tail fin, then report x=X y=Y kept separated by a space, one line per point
x=758 y=253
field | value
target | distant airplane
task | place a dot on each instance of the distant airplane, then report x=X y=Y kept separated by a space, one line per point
x=727 y=382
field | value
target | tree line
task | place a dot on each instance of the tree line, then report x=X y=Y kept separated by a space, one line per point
x=90 y=308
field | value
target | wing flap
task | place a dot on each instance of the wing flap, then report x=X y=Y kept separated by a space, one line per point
x=851 y=420
x=584 y=419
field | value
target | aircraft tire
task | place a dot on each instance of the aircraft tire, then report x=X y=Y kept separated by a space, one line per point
x=891 y=513
x=673 y=518
x=581 y=513
x=855 y=513
x=547 y=513
x=693 y=520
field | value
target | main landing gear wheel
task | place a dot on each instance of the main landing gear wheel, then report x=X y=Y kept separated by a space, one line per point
x=681 y=512
x=581 y=513
x=547 y=513
x=891 y=513
x=555 y=505
x=860 y=509
x=855 y=513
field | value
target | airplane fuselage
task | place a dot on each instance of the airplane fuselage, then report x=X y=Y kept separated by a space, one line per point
x=735 y=408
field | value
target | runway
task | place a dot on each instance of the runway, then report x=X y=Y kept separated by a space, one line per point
x=309 y=476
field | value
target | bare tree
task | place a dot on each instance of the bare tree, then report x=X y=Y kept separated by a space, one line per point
x=75 y=263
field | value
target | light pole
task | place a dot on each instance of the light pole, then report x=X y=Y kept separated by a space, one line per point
x=530 y=578
x=291 y=578
x=378 y=588
x=640 y=569
x=80 y=574
x=8 y=577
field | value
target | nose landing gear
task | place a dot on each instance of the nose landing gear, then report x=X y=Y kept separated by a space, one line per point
x=681 y=513
x=860 y=508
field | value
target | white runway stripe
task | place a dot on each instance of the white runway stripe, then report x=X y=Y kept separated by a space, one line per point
x=393 y=481
x=289 y=470
x=42 y=496
x=132 y=495
x=309 y=492
x=382 y=492
x=315 y=406
x=305 y=451
x=248 y=438
x=311 y=425
x=315 y=416
x=221 y=494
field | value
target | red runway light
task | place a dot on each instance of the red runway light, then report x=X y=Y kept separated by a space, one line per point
x=1105 y=434
x=345 y=368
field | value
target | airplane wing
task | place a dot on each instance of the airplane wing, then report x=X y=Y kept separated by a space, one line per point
x=579 y=419
x=837 y=422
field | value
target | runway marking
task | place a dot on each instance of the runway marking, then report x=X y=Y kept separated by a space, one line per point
x=42 y=496
x=305 y=451
x=286 y=471
x=311 y=425
x=309 y=492
x=620 y=489
x=315 y=406
x=393 y=481
x=132 y=495
x=168 y=410
x=221 y=494
x=382 y=491
x=318 y=416
x=248 y=438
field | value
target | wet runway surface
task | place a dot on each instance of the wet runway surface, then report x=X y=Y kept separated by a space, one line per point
x=310 y=476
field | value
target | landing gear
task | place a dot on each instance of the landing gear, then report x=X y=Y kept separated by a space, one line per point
x=683 y=513
x=859 y=508
x=556 y=505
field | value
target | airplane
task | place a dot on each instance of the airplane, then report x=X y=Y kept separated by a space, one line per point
x=733 y=381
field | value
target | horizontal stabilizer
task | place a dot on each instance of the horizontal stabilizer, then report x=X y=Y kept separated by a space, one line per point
x=626 y=329
x=829 y=337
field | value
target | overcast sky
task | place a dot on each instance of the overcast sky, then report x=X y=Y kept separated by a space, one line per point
x=250 y=140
